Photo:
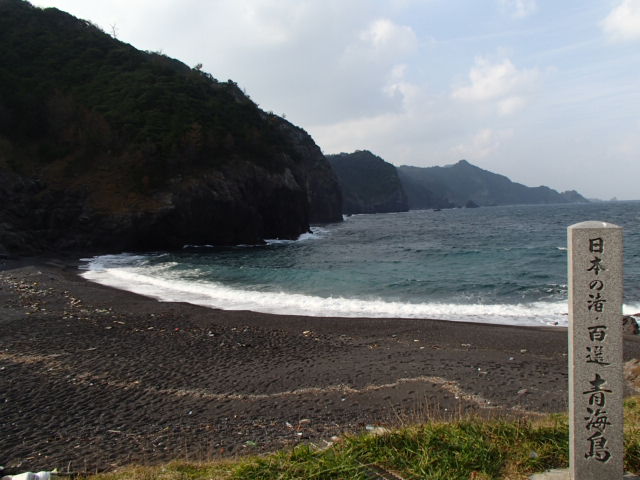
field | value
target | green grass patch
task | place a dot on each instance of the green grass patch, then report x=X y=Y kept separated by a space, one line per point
x=462 y=450
x=465 y=449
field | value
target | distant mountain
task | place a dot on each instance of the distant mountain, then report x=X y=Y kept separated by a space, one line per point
x=368 y=183
x=422 y=191
x=465 y=184
x=106 y=147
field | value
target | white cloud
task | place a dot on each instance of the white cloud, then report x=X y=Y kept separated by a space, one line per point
x=420 y=133
x=510 y=105
x=377 y=48
x=501 y=82
x=519 y=8
x=321 y=61
x=482 y=144
x=623 y=23
x=383 y=34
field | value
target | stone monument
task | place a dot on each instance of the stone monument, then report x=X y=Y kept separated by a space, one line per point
x=596 y=450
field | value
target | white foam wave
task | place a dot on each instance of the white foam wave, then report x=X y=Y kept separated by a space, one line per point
x=157 y=282
x=316 y=233
x=632 y=309
x=112 y=261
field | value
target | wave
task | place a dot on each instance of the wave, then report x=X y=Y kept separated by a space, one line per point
x=316 y=233
x=130 y=272
x=102 y=262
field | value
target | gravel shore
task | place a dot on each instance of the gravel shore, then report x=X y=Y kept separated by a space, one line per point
x=92 y=378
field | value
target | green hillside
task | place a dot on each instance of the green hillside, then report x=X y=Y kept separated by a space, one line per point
x=129 y=132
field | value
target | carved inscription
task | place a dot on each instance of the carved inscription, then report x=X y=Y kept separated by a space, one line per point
x=596 y=415
x=595 y=342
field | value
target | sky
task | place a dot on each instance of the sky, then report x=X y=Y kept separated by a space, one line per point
x=546 y=92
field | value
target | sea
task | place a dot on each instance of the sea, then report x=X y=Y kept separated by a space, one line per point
x=500 y=265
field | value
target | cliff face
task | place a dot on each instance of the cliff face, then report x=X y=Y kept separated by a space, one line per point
x=456 y=185
x=239 y=204
x=106 y=147
x=368 y=183
x=317 y=177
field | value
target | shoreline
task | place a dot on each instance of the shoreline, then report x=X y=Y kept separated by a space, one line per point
x=234 y=298
x=94 y=377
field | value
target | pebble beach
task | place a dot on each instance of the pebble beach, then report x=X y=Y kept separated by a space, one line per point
x=92 y=378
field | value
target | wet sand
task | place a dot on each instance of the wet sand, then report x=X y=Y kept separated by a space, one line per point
x=92 y=377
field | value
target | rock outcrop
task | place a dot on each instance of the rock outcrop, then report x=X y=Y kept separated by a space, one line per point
x=104 y=147
x=368 y=183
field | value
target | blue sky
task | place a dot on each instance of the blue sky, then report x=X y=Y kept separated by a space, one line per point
x=545 y=92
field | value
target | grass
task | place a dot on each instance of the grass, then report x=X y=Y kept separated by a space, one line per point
x=466 y=449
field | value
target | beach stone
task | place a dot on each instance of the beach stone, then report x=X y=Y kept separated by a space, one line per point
x=596 y=450
x=629 y=325
x=555 y=474
x=563 y=474
x=632 y=374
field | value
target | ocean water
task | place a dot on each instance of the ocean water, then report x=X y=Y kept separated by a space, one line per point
x=502 y=265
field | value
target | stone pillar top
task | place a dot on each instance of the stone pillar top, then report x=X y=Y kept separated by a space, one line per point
x=593 y=224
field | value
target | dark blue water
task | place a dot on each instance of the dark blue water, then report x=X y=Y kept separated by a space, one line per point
x=494 y=264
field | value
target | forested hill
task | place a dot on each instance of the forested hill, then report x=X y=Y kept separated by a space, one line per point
x=109 y=147
x=464 y=184
x=368 y=183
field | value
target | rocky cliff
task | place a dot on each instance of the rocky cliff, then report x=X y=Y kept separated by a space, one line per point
x=368 y=183
x=108 y=148
x=461 y=183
